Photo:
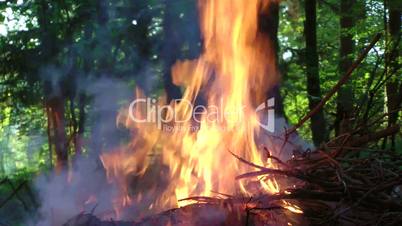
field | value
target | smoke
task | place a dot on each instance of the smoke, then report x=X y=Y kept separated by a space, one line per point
x=277 y=143
x=84 y=188
x=61 y=200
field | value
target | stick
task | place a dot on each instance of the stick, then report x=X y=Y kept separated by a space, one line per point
x=335 y=89
x=268 y=171
x=375 y=136
x=12 y=194
x=11 y=185
x=247 y=162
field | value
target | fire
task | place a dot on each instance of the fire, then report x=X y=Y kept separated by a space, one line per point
x=232 y=75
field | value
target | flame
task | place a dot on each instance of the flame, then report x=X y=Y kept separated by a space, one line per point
x=231 y=78
x=292 y=207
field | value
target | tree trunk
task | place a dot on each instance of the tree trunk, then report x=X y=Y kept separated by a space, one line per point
x=318 y=123
x=268 y=25
x=345 y=93
x=80 y=127
x=57 y=120
x=53 y=92
x=394 y=86
x=170 y=52
x=4 y=148
x=102 y=15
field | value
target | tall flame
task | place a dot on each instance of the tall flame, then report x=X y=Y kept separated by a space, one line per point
x=230 y=78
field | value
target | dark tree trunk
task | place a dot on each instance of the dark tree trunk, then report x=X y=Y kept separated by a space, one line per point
x=82 y=96
x=394 y=86
x=170 y=52
x=318 y=123
x=78 y=137
x=103 y=66
x=53 y=91
x=56 y=116
x=268 y=25
x=345 y=94
x=4 y=148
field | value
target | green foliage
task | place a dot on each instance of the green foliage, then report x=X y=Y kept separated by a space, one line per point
x=292 y=50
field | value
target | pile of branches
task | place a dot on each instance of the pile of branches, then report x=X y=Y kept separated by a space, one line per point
x=349 y=180
x=333 y=185
x=336 y=185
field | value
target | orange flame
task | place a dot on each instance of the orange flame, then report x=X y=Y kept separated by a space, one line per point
x=232 y=76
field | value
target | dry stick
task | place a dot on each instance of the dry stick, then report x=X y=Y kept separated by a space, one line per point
x=247 y=162
x=270 y=171
x=371 y=91
x=11 y=185
x=275 y=158
x=335 y=89
x=12 y=194
x=375 y=136
x=377 y=188
x=378 y=120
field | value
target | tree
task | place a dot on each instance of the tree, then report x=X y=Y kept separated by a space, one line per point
x=318 y=123
x=269 y=26
x=53 y=89
x=170 y=50
x=394 y=86
x=347 y=17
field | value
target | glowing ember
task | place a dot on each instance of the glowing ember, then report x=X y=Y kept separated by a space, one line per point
x=232 y=76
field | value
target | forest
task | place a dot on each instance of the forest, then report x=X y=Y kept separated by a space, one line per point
x=72 y=151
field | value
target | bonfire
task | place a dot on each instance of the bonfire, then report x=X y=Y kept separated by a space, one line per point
x=199 y=165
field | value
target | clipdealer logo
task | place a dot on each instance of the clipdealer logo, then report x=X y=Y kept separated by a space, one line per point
x=165 y=114
x=269 y=105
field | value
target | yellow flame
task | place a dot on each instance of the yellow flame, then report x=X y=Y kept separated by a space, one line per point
x=292 y=207
x=232 y=76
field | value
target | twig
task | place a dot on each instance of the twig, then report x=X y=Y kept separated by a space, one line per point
x=26 y=208
x=267 y=171
x=12 y=194
x=247 y=162
x=275 y=158
x=375 y=136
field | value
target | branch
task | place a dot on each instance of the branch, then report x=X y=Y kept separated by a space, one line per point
x=335 y=89
x=12 y=194
x=374 y=136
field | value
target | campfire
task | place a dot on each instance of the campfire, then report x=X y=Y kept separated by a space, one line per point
x=217 y=139
x=190 y=151
x=206 y=159
x=196 y=142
